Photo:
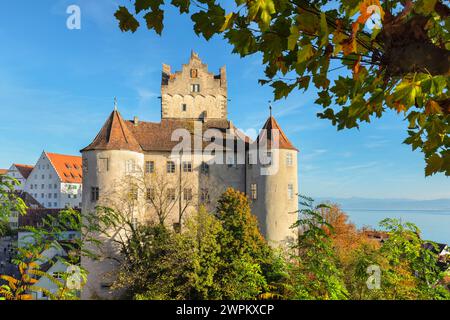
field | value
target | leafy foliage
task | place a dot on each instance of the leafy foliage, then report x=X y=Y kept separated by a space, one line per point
x=221 y=256
x=9 y=200
x=315 y=272
x=400 y=63
x=410 y=269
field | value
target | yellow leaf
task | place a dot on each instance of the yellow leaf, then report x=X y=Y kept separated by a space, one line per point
x=228 y=22
x=432 y=107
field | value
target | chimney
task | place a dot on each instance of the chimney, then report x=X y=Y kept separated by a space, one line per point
x=136 y=121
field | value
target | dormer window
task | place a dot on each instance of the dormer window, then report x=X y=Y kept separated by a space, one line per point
x=195 y=88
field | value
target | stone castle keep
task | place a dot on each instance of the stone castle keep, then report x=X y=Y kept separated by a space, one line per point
x=136 y=157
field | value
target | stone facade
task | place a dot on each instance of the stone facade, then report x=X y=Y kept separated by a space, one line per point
x=194 y=92
x=137 y=155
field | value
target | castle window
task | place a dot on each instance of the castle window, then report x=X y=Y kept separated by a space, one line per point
x=290 y=191
x=289 y=161
x=129 y=166
x=204 y=196
x=150 y=195
x=194 y=73
x=85 y=165
x=254 y=191
x=170 y=167
x=150 y=166
x=133 y=193
x=171 y=195
x=187 y=166
x=195 y=88
x=103 y=164
x=95 y=193
x=187 y=194
x=205 y=168
x=184 y=107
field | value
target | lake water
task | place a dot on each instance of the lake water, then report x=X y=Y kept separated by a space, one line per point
x=434 y=224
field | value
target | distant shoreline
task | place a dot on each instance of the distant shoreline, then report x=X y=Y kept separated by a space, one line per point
x=413 y=210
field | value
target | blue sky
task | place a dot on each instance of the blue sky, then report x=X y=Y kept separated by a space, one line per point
x=57 y=88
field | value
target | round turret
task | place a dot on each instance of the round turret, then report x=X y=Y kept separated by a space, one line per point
x=273 y=186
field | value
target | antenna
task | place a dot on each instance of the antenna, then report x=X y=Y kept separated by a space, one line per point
x=270 y=108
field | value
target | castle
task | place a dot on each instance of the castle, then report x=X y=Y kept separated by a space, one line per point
x=147 y=160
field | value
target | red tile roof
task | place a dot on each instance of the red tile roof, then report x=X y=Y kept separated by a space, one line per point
x=118 y=134
x=272 y=124
x=114 y=135
x=24 y=169
x=68 y=168
x=3 y=171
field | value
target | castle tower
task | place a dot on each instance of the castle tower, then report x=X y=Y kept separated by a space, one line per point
x=107 y=161
x=193 y=92
x=273 y=186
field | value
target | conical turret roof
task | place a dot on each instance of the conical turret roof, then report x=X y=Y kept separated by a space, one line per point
x=114 y=135
x=266 y=135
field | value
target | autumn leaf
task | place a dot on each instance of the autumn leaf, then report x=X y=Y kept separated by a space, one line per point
x=432 y=107
x=356 y=67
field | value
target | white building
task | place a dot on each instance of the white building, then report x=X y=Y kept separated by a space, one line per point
x=55 y=181
x=20 y=172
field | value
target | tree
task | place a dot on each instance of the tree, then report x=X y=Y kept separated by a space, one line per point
x=9 y=200
x=410 y=270
x=158 y=195
x=216 y=256
x=355 y=252
x=241 y=233
x=314 y=271
x=400 y=62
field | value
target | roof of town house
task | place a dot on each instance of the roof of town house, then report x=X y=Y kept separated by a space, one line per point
x=139 y=136
x=35 y=217
x=434 y=247
x=24 y=169
x=266 y=133
x=3 y=171
x=375 y=235
x=114 y=135
x=69 y=168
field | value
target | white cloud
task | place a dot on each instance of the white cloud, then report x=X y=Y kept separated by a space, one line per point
x=358 y=167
